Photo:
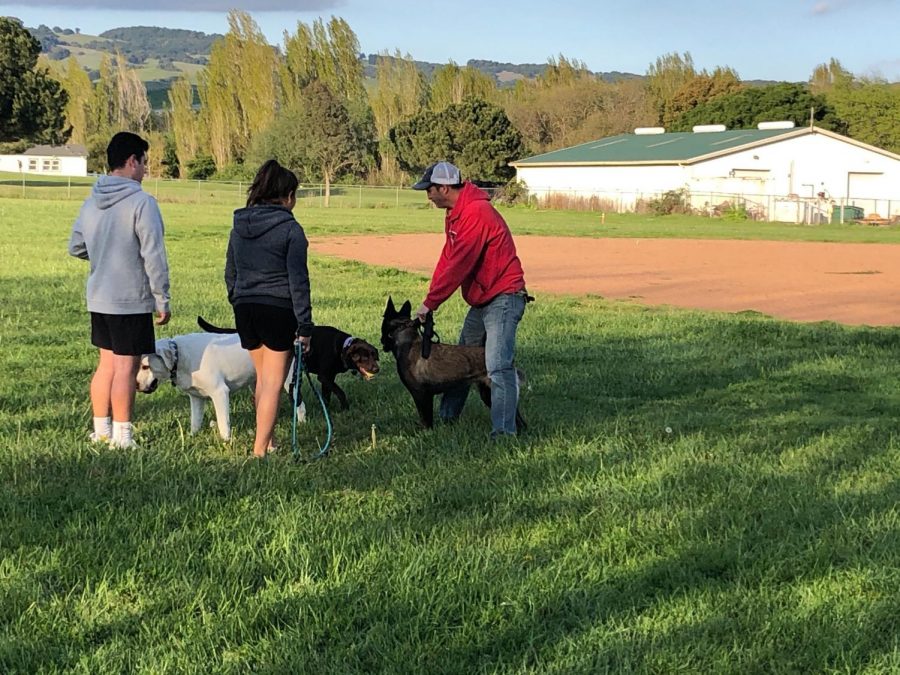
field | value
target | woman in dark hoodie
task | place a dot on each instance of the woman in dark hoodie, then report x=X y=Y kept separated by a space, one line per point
x=268 y=287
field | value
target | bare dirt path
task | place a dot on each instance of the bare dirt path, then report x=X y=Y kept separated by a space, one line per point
x=857 y=284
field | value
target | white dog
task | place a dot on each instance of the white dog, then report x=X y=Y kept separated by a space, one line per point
x=205 y=366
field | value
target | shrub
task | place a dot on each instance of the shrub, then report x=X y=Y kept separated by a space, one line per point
x=201 y=167
x=673 y=201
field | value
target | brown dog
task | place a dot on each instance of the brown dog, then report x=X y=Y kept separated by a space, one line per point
x=446 y=367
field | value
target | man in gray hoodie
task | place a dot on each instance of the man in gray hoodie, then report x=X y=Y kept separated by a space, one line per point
x=120 y=232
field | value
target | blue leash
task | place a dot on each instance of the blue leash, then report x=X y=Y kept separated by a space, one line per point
x=298 y=380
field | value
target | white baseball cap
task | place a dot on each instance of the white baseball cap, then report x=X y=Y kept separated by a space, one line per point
x=439 y=173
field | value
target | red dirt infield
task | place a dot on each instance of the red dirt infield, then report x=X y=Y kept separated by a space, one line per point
x=855 y=284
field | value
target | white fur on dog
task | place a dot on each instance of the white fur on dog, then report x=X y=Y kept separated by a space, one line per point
x=207 y=366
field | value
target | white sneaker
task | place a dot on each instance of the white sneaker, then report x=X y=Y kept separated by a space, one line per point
x=124 y=445
x=95 y=438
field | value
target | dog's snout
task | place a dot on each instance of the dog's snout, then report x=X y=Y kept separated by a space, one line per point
x=149 y=388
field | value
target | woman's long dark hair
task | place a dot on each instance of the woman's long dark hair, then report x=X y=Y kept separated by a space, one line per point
x=272 y=184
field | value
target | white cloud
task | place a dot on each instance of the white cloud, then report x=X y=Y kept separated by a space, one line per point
x=200 y=5
x=823 y=7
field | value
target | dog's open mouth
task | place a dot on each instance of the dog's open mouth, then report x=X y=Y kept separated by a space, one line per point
x=365 y=373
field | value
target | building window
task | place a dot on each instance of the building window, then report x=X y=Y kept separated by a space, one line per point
x=32 y=165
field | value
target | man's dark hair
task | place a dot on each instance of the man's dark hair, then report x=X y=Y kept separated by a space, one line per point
x=272 y=183
x=122 y=146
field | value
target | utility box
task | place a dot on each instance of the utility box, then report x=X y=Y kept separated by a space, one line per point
x=850 y=213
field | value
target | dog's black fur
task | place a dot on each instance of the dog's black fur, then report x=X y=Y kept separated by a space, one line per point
x=447 y=366
x=327 y=357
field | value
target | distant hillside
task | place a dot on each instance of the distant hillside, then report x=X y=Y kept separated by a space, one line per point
x=158 y=54
x=504 y=73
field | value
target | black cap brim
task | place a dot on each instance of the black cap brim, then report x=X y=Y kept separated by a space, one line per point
x=422 y=185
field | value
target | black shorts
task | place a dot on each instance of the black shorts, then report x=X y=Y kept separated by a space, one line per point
x=123 y=334
x=258 y=325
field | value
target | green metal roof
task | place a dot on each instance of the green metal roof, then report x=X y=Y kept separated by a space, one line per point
x=658 y=148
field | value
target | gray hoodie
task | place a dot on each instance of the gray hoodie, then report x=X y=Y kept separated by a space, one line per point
x=120 y=231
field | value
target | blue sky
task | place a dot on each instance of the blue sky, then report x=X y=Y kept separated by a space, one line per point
x=761 y=39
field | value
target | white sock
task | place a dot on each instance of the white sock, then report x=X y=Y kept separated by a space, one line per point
x=121 y=433
x=102 y=427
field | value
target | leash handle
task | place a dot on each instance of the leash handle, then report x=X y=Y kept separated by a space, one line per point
x=427 y=334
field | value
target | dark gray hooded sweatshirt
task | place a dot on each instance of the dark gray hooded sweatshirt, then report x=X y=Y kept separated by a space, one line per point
x=266 y=262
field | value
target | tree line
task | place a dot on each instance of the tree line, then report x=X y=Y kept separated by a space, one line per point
x=308 y=104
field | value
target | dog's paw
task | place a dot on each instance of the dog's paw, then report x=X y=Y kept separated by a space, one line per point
x=301 y=413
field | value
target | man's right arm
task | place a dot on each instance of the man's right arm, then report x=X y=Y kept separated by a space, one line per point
x=77 y=247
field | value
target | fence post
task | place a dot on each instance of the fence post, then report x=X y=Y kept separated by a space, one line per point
x=23 y=186
x=360 y=196
x=398 y=196
x=69 y=189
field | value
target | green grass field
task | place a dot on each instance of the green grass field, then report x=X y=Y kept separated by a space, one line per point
x=698 y=492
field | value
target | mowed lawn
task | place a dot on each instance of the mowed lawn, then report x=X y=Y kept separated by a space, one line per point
x=697 y=492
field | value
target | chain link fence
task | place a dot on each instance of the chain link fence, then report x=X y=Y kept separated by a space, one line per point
x=781 y=208
x=775 y=208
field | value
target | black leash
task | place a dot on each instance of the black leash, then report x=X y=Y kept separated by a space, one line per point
x=429 y=335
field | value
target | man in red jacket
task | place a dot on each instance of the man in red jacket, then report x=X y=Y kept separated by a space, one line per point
x=479 y=256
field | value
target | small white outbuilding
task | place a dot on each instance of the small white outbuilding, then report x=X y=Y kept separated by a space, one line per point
x=776 y=171
x=50 y=160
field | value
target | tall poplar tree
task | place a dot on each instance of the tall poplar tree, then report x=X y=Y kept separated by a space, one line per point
x=80 y=90
x=400 y=92
x=238 y=91
x=185 y=123
x=133 y=108
x=451 y=85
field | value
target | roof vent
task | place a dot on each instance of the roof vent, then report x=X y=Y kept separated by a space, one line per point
x=767 y=126
x=708 y=128
x=649 y=131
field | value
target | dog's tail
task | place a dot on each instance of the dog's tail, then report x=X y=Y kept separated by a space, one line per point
x=209 y=328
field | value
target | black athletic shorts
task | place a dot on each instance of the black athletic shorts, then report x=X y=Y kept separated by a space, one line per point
x=123 y=334
x=274 y=327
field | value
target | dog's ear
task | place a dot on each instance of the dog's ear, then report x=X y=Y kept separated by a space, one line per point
x=406 y=309
x=166 y=356
x=390 y=310
x=158 y=366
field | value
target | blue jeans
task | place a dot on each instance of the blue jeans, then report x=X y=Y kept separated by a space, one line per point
x=493 y=326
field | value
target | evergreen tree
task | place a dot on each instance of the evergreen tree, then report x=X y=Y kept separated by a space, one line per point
x=32 y=104
x=475 y=135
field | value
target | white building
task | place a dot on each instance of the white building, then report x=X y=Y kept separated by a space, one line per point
x=777 y=171
x=48 y=160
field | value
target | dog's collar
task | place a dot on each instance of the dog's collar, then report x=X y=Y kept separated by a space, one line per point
x=174 y=372
x=344 y=348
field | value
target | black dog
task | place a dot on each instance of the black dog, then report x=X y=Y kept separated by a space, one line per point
x=331 y=352
x=445 y=368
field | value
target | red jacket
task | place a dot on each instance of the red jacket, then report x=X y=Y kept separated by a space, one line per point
x=479 y=253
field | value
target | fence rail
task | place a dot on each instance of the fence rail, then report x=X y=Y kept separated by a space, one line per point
x=783 y=208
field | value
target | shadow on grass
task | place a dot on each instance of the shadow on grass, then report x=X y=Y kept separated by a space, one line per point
x=710 y=493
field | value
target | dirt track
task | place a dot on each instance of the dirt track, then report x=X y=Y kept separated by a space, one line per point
x=849 y=283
